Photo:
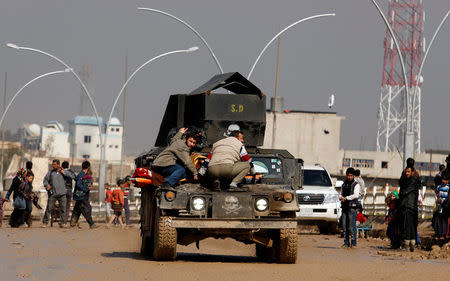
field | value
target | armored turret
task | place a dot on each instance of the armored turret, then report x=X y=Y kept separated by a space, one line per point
x=216 y=113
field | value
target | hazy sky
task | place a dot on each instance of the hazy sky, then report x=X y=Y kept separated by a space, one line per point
x=341 y=55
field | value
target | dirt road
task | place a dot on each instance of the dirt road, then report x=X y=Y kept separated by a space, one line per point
x=113 y=254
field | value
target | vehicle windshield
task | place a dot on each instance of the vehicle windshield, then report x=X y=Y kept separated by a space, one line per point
x=316 y=178
x=268 y=167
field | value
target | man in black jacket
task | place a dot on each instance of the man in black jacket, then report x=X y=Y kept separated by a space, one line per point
x=81 y=196
x=350 y=193
x=69 y=176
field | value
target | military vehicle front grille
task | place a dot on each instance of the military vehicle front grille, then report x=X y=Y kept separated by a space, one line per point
x=310 y=199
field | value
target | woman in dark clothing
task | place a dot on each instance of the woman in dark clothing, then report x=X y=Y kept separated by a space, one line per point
x=16 y=218
x=409 y=192
x=26 y=191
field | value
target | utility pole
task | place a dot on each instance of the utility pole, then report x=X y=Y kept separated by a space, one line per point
x=3 y=131
x=274 y=125
x=124 y=116
x=85 y=74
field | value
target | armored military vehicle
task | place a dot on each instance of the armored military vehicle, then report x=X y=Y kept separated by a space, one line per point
x=262 y=214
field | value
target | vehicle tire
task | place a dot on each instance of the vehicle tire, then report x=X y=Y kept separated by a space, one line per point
x=288 y=245
x=266 y=254
x=164 y=239
x=146 y=223
x=332 y=228
x=323 y=228
x=147 y=245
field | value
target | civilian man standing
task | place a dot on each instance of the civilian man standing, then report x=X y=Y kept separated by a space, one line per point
x=56 y=187
x=362 y=186
x=349 y=202
x=69 y=176
x=81 y=196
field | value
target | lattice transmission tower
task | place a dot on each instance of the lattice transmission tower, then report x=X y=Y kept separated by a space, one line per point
x=406 y=19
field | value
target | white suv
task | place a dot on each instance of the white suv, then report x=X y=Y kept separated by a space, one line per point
x=318 y=200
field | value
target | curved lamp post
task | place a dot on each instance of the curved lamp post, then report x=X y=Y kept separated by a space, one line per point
x=281 y=32
x=419 y=74
x=14 y=46
x=408 y=145
x=428 y=49
x=191 y=28
x=103 y=156
x=26 y=85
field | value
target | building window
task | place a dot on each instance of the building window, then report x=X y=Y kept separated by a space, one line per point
x=87 y=139
x=117 y=146
x=110 y=146
x=86 y=156
x=425 y=166
x=98 y=145
x=384 y=164
x=362 y=163
x=346 y=162
x=117 y=129
x=112 y=129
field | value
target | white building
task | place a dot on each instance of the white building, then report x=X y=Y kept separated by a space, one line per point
x=85 y=140
x=81 y=141
x=54 y=140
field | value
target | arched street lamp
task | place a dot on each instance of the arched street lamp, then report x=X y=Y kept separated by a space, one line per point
x=281 y=32
x=419 y=74
x=191 y=28
x=103 y=155
x=86 y=91
x=17 y=94
x=26 y=85
x=408 y=145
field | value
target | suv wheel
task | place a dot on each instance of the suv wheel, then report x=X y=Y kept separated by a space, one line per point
x=165 y=239
x=288 y=245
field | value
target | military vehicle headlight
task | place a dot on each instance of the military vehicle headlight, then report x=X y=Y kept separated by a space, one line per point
x=198 y=203
x=261 y=204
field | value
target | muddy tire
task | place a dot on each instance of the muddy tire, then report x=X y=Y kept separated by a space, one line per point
x=288 y=245
x=164 y=239
x=146 y=223
x=147 y=246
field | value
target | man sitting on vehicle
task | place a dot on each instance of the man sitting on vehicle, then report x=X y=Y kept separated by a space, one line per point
x=173 y=161
x=229 y=161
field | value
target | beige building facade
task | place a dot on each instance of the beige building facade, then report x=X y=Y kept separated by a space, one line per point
x=315 y=137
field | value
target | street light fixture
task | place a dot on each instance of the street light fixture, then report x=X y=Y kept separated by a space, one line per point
x=408 y=145
x=103 y=151
x=191 y=28
x=70 y=69
x=16 y=95
x=281 y=32
x=26 y=85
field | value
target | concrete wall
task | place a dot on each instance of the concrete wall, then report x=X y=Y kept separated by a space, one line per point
x=314 y=137
x=55 y=144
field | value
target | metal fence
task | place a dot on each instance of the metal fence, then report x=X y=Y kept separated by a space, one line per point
x=374 y=201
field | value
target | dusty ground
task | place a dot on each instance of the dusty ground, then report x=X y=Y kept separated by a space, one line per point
x=112 y=254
